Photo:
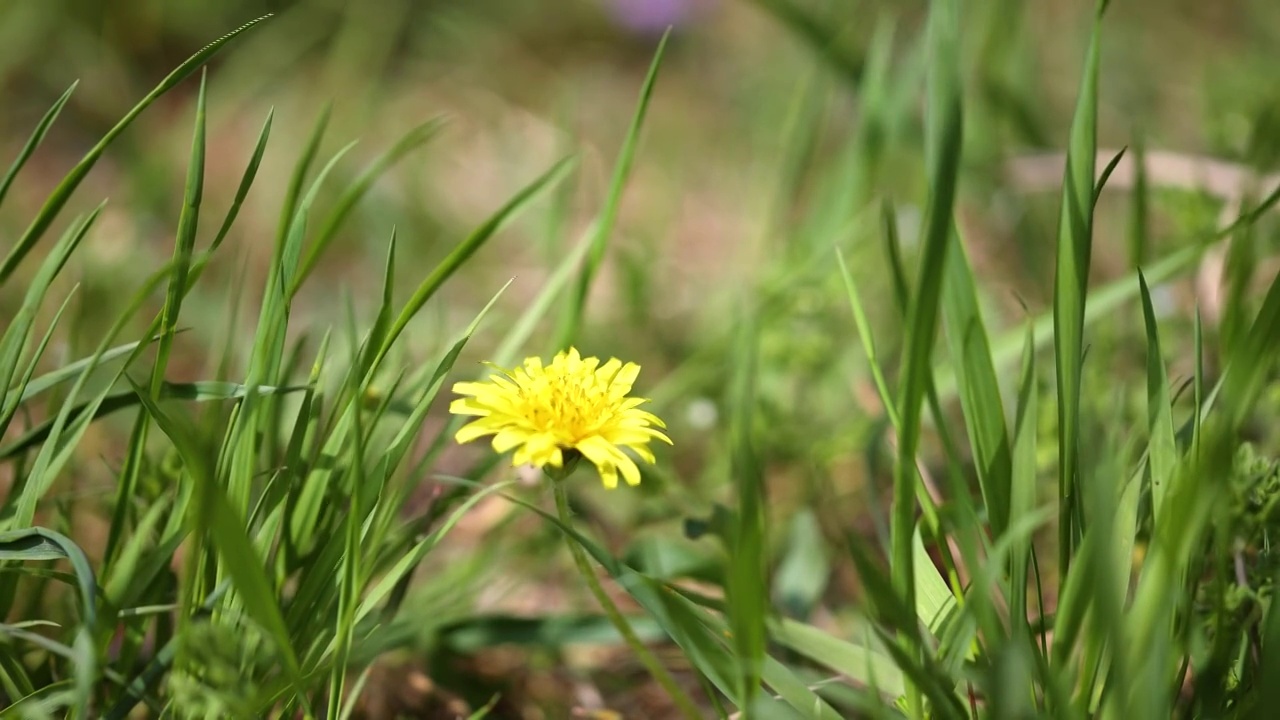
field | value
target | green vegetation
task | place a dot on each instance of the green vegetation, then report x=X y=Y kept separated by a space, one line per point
x=963 y=426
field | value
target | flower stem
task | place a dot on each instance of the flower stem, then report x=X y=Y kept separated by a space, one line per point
x=686 y=705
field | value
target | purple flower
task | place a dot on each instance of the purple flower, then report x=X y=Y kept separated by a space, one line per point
x=652 y=15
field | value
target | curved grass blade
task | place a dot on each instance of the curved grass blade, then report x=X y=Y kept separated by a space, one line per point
x=33 y=142
x=57 y=450
x=819 y=36
x=859 y=663
x=242 y=191
x=1023 y=482
x=37 y=543
x=698 y=634
x=215 y=516
x=603 y=225
x=70 y=371
x=58 y=198
x=201 y=391
x=18 y=328
x=465 y=249
x=342 y=208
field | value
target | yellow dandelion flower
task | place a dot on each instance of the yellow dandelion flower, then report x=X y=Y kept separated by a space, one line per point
x=573 y=405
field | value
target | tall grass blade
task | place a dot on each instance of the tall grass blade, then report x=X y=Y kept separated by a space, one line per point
x=977 y=384
x=1162 y=453
x=746 y=589
x=1071 y=282
x=58 y=198
x=33 y=142
x=603 y=225
x=184 y=244
x=943 y=139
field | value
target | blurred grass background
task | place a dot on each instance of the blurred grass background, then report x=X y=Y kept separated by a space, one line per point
x=759 y=153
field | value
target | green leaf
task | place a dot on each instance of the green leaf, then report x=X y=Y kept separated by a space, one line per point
x=20 y=323
x=861 y=664
x=805 y=569
x=465 y=249
x=934 y=600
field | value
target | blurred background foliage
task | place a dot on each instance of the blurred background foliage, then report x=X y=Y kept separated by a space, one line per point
x=777 y=129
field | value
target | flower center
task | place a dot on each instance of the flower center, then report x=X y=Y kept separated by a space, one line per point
x=567 y=406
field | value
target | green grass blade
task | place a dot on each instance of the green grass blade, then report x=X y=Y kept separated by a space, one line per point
x=857 y=662
x=1022 y=491
x=698 y=635
x=746 y=587
x=1139 y=228
x=1162 y=454
x=58 y=198
x=56 y=450
x=31 y=544
x=288 y=211
x=184 y=244
x=1106 y=175
x=603 y=226
x=112 y=402
x=979 y=389
x=20 y=323
x=216 y=517
x=868 y=341
x=1071 y=282
x=33 y=142
x=465 y=249
x=342 y=208
x=39 y=385
x=1252 y=358
x=943 y=139
x=242 y=192
x=818 y=35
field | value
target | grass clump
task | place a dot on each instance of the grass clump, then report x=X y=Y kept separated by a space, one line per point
x=888 y=494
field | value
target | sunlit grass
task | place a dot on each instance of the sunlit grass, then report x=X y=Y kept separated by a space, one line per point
x=892 y=492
